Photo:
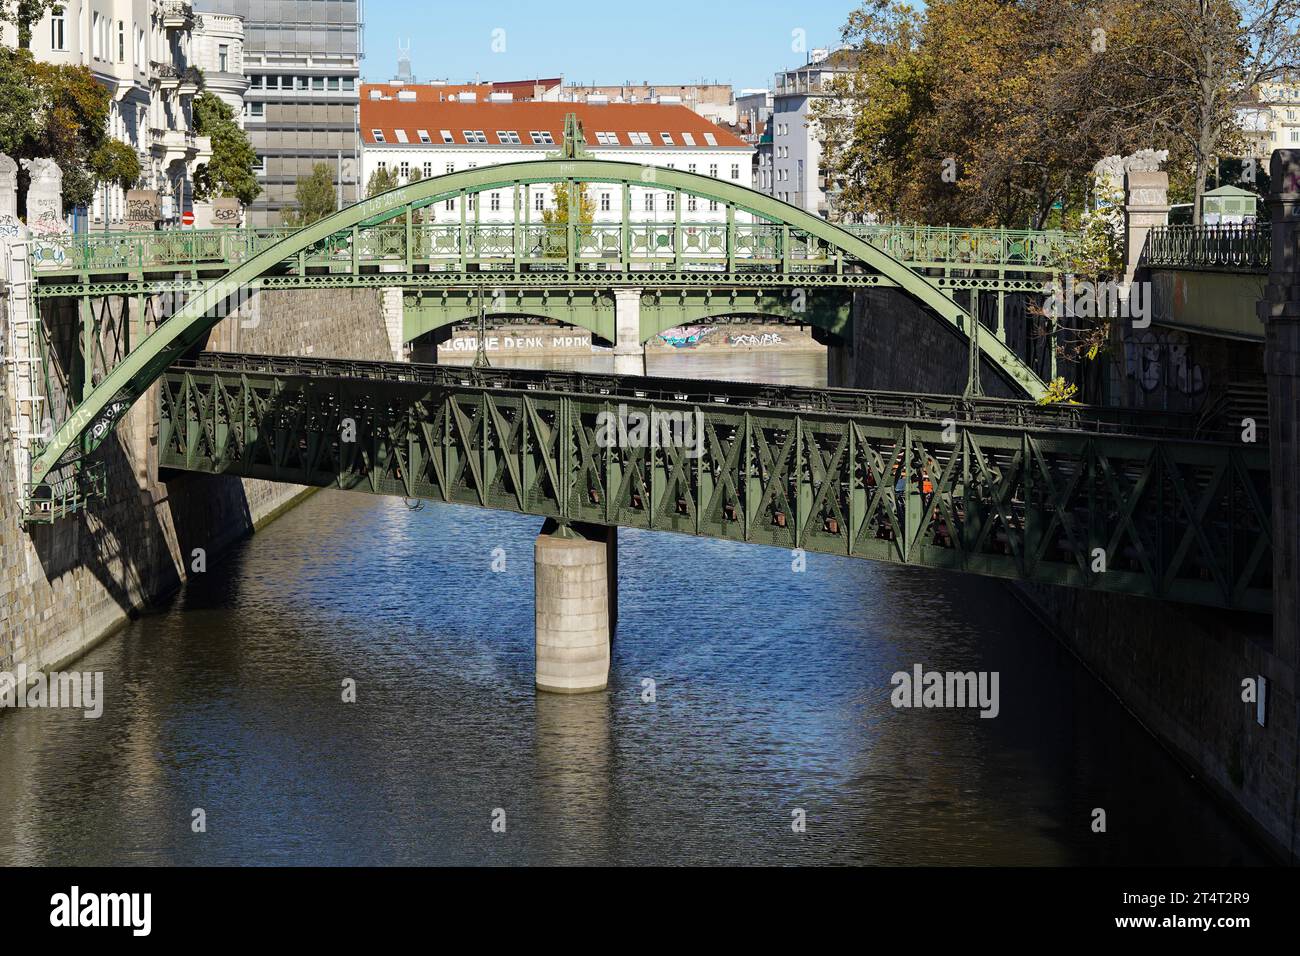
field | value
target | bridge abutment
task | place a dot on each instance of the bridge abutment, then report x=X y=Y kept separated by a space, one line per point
x=629 y=352
x=575 y=580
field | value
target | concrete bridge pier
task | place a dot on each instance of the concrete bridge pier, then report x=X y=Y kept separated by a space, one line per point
x=575 y=582
x=629 y=353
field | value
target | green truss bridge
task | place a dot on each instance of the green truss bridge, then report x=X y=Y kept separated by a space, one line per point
x=1103 y=499
x=626 y=281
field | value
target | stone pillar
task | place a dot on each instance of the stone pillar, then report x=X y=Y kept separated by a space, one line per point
x=393 y=309
x=575 y=580
x=44 y=196
x=8 y=197
x=1279 y=310
x=1146 y=204
x=629 y=353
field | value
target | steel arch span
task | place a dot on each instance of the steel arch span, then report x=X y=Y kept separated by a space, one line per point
x=91 y=422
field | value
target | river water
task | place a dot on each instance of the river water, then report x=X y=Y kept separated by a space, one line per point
x=771 y=705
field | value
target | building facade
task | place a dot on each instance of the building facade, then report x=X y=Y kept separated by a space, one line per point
x=218 y=45
x=716 y=102
x=433 y=137
x=303 y=63
x=797 y=176
x=140 y=50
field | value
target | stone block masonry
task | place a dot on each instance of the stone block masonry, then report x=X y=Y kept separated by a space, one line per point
x=66 y=586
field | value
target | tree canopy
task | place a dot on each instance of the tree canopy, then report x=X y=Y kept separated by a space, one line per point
x=229 y=173
x=315 y=196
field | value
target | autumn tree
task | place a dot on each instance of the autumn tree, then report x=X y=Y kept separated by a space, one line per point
x=315 y=197
x=381 y=181
x=24 y=14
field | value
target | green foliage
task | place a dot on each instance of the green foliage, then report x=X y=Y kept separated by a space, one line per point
x=230 y=171
x=315 y=195
x=115 y=162
x=557 y=239
x=381 y=181
x=59 y=112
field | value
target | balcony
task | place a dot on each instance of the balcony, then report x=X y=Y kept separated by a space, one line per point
x=176 y=14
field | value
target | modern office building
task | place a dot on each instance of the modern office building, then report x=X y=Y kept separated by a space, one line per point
x=797 y=176
x=303 y=62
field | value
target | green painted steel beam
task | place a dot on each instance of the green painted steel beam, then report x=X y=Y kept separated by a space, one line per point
x=95 y=417
x=1064 y=496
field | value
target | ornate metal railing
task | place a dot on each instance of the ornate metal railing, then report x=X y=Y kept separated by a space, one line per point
x=944 y=246
x=920 y=246
x=1231 y=248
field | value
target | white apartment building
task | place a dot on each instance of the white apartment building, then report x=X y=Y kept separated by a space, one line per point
x=795 y=172
x=141 y=51
x=410 y=130
x=218 y=47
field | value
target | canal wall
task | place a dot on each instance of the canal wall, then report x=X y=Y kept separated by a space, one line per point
x=1177 y=669
x=65 y=586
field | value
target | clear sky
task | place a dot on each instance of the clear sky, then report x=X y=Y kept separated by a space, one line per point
x=739 y=42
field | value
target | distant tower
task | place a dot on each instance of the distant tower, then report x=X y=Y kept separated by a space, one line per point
x=404 y=74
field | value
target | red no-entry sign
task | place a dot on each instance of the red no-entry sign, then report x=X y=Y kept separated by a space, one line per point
x=187 y=218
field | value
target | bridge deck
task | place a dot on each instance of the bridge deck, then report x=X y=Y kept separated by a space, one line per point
x=1095 y=498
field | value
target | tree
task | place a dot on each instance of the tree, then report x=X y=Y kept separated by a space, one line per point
x=381 y=181
x=229 y=173
x=115 y=162
x=556 y=237
x=315 y=195
x=1183 y=68
x=24 y=14
x=59 y=112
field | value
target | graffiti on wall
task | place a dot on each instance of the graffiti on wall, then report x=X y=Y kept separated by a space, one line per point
x=686 y=336
x=1156 y=358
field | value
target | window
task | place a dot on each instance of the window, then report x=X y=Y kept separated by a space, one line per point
x=735 y=170
x=710 y=139
x=667 y=138
x=671 y=199
x=539 y=202
x=94 y=36
x=223 y=58
x=446 y=137
x=56 y=28
x=471 y=202
x=378 y=134
x=424 y=135
x=451 y=167
x=121 y=42
x=495 y=202
x=713 y=170
x=139 y=51
x=542 y=138
x=508 y=137
x=348 y=83
x=639 y=139
x=259 y=165
x=690 y=168
x=604 y=202
x=332 y=84
x=317 y=83
x=649 y=202
x=258 y=111
x=474 y=136
x=691 y=203
x=428 y=170
x=401 y=135
x=404 y=170
x=713 y=205
x=688 y=139
x=449 y=205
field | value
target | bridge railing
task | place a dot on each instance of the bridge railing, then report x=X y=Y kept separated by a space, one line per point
x=753 y=242
x=938 y=246
x=1226 y=248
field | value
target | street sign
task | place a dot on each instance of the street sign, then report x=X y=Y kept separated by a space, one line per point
x=187 y=218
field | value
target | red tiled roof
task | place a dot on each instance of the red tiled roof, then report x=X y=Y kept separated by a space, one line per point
x=621 y=119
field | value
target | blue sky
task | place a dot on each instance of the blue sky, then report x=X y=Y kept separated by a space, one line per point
x=739 y=42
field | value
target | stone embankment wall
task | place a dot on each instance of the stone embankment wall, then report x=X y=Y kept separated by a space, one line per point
x=65 y=586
